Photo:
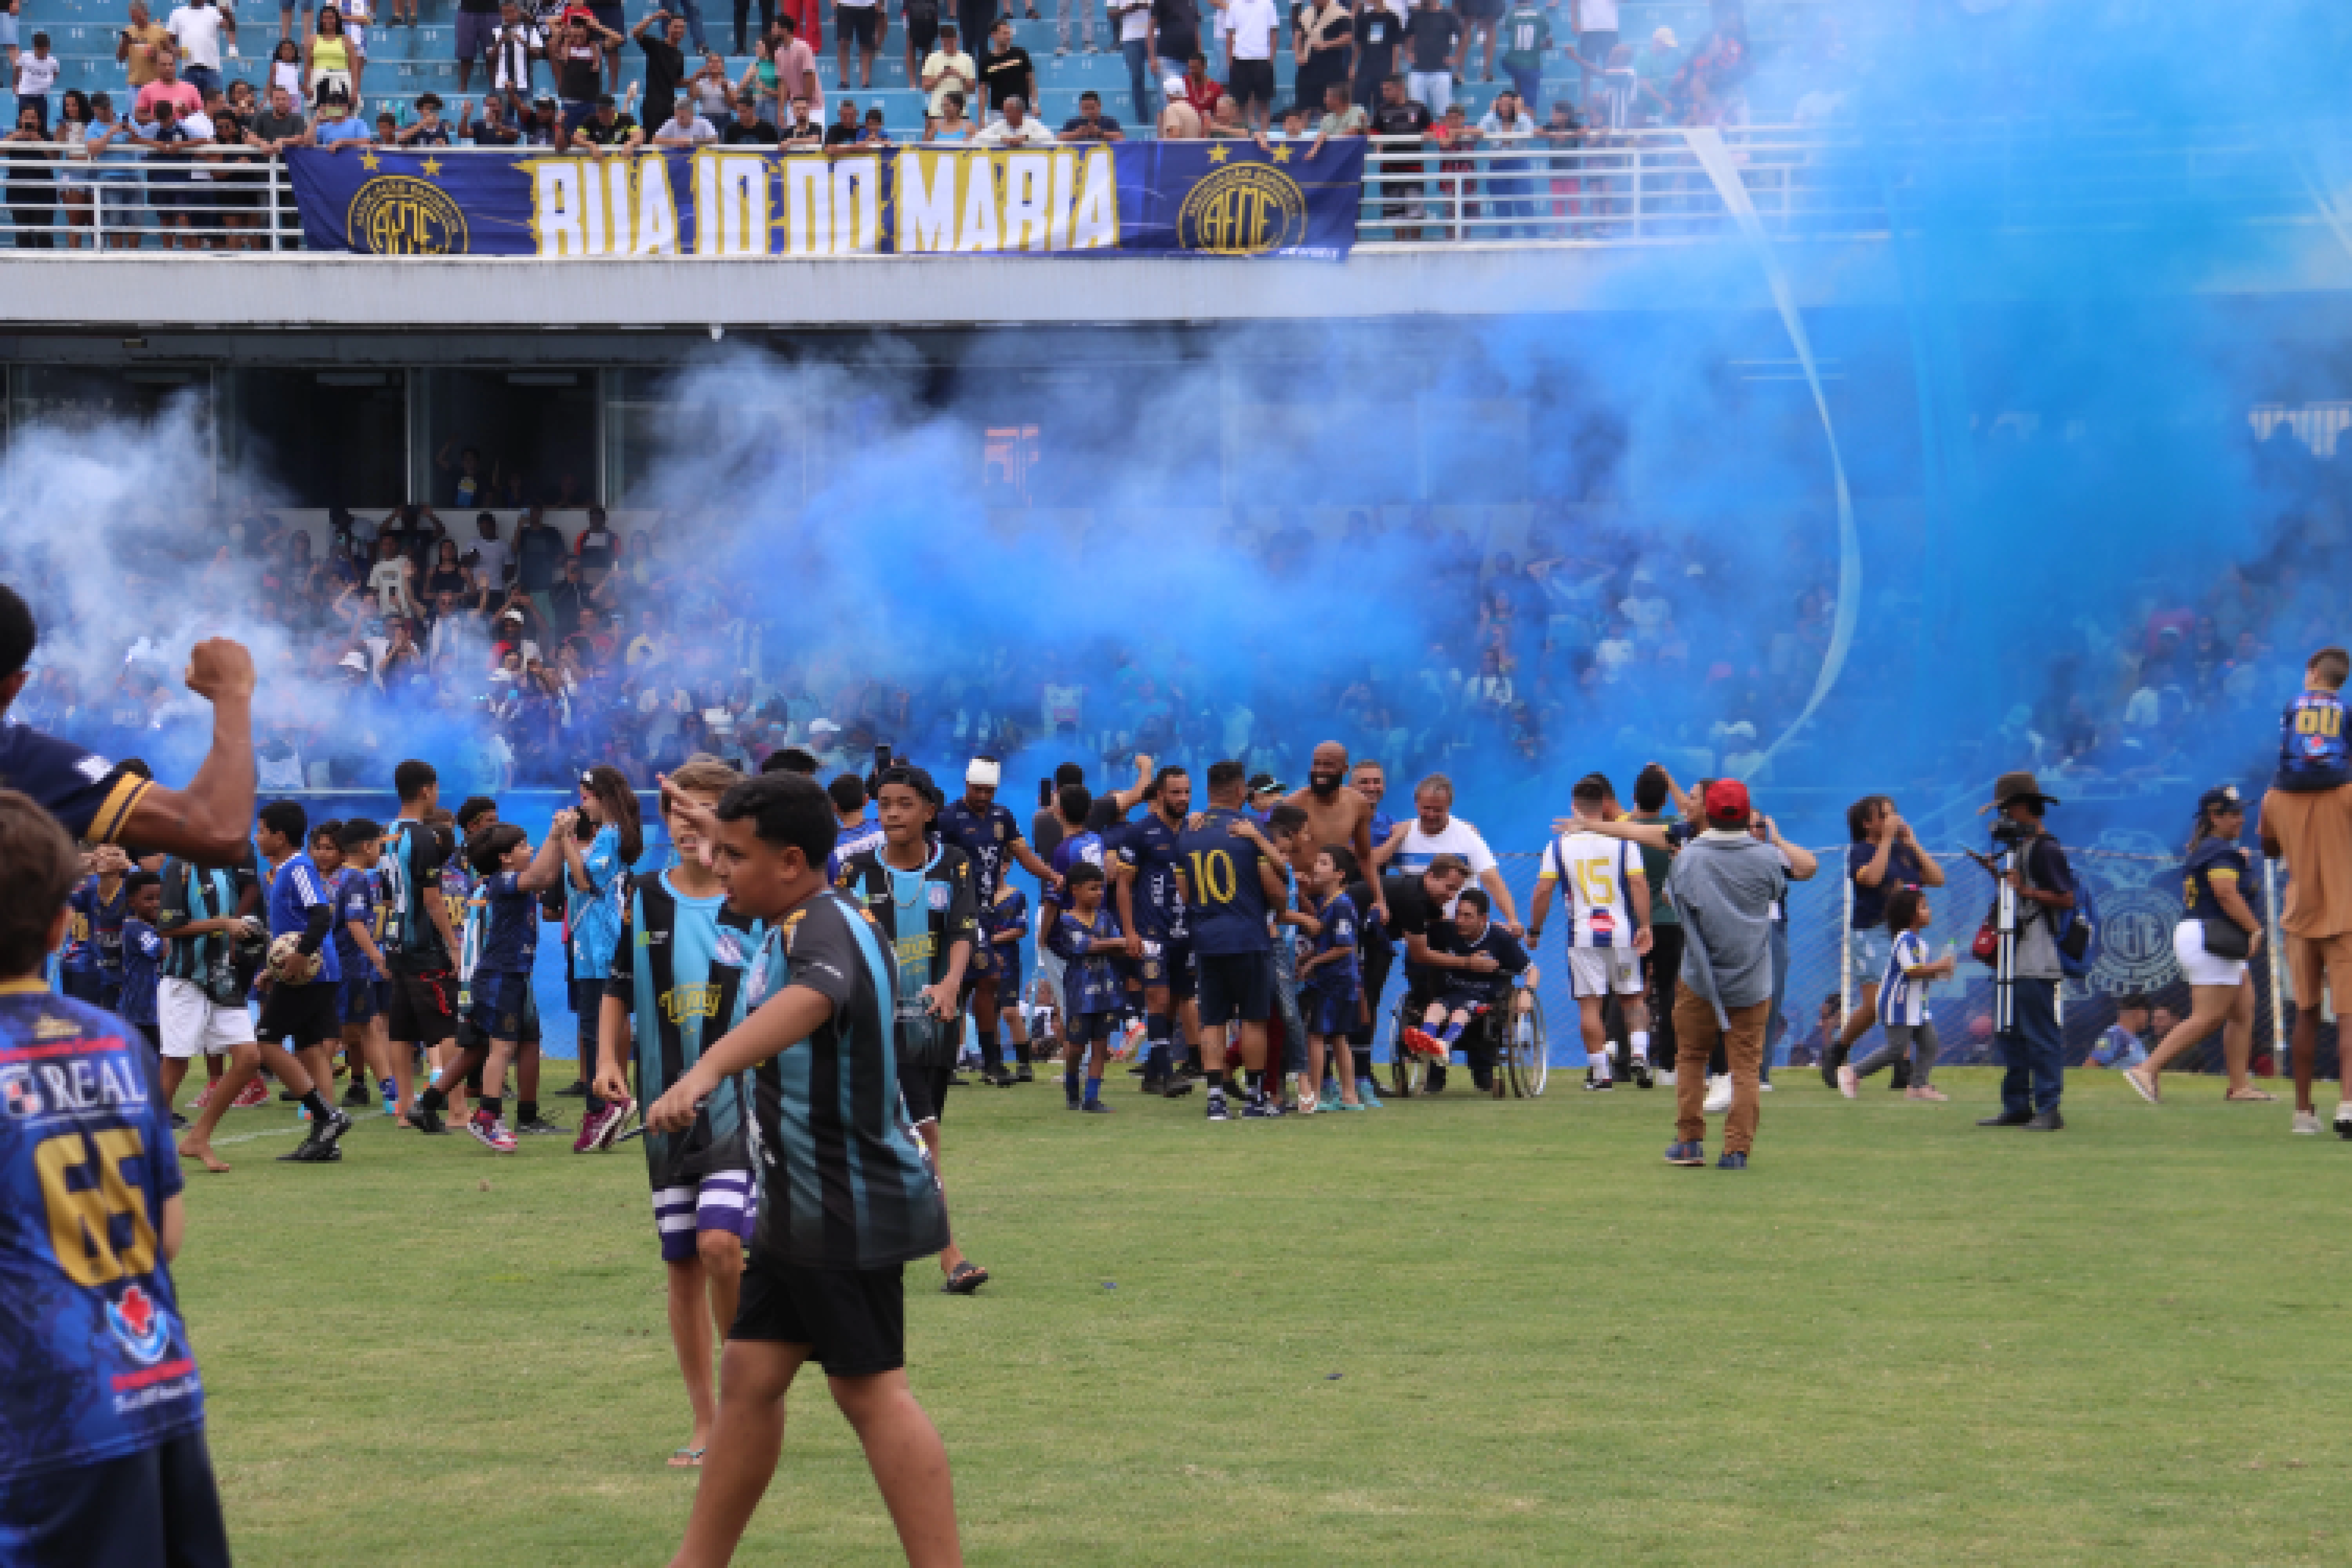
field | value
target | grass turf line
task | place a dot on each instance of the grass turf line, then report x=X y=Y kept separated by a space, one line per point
x=1897 y=1339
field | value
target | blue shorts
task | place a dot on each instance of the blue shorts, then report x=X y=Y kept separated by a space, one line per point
x=1328 y=1012
x=158 y=1505
x=1471 y=1002
x=1235 y=987
x=1084 y=1028
x=1173 y=966
x=362 y=1001
x=1008 y=974
x=502 y=1008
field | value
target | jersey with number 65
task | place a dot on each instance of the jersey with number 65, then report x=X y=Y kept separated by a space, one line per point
x=1599 y=873
x=96 y=1363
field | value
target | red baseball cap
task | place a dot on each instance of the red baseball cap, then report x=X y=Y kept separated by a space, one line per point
x=1727 y=801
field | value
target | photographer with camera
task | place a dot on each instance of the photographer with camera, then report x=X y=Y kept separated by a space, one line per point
x=2032 y=917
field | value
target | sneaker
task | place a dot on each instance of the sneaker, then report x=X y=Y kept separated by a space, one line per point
x=997 y=1078
x=357 y=1098
x=1642 y=1077
x=1095 y=1108
x=1174 y=1088
x=1685 y=1153
x=2344 y=1122
x=426 y=1121
x=1025 y=1076
x=491 y=1132
x=1731 y=1162
x=1262 y=1111
x=2306 y=1124
x=1368 y=1095
x=1849 y=1083
x=1764 y=1085
x=1718 y=1096
x=310 y=1152
x=616 y=1116
x=256 y=1093
x=202 y=1095
x=541 y=1127
x=1595 y=1085
x=1218 y=1112
x=331 y=1131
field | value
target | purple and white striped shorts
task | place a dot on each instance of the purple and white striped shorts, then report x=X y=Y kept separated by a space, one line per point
x=723 y=1200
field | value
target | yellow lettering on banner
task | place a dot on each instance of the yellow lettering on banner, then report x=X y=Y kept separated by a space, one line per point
x=1028 y=199
x=656 y=208
x=926 y=201
x=808 y=208
x=556 y=216
x=980 y=226
x=858 y=205
x=1093 y=222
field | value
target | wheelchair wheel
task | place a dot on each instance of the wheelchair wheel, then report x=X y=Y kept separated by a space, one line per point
x=1527 y=1053
x=1408 y=1071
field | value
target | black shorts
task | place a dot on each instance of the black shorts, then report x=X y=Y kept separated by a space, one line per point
x=1085 y=1028
x=302 y=1015
x=854 y=1321
x=1234 y=987
x=1172 y=966
x=424 y=1006
x=862 y=24
x=1478 y=10
x=926 y=1091
x=158 y=1505
x=81 y=985
x=154 y=1034
x=1253 y=83
x=922 y=32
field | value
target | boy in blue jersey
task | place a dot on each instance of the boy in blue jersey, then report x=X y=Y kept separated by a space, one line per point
x=859 y=832
x=299 y=1011
x=675 y=969
x=1080 y=845
x=367 y=973
x=420 y=938
x=2314 y=746
x=847 y=1197
x=595 y=872
x=1230 y=877
x=102 y=1456
x=1005 y=926
x=1151 y=910
x=1328 y=977
x=1493 y=960
x=77 y=963
x=103 y=894
x=1091 y=944
x=502 y=1011
x=142 y=953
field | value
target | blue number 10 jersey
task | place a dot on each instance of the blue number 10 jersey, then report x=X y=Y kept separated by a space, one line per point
x=95 y=1364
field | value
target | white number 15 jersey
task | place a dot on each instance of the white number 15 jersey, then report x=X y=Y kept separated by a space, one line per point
x=1599 y=873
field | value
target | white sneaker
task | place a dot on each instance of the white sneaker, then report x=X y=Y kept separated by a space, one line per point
x=1718 y=1096
x=2306 y=1123
x=1764 y=1088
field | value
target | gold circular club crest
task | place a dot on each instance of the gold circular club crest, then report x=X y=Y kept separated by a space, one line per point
x=1242 y=209
x=397 y=215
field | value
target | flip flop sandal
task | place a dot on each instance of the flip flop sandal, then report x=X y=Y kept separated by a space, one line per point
x=966 y=1277
x=2147 y=1090
x=2250 y=1097
x=686 y=1458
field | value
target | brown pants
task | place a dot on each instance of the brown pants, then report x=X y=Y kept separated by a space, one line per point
x=1696 y=1033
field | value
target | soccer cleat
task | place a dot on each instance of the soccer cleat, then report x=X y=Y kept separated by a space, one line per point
x=1217 y=1110
x=1174 y=1088
x=1025 y=1076
x=541 y=1127
x=332 y=1131
x=256 y=1093
x=491 y=1132
x=356 y=1096
x=1642 y=1077
x=312 y=1152
x=1732 y=1161
x=424 y=1118
x=1685 y=1153
x=1420 y=1042
x=608 y=1131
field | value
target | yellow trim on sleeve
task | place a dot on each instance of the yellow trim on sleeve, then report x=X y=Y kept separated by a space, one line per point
x=121 y=801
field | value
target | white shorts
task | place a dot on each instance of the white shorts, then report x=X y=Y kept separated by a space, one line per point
x=1598 y=971
x=2197 y=966
x=193 y=1022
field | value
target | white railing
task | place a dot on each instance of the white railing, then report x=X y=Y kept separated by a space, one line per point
x=1641 y=187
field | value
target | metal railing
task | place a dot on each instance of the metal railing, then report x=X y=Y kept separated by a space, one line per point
x=1594 y=188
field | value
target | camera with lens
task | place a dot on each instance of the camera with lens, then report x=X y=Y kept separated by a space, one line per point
x=2009 y=834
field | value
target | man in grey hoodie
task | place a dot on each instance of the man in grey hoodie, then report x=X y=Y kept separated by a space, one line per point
x=1723 y=886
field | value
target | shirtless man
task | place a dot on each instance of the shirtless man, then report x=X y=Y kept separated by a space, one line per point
x=1336 y=815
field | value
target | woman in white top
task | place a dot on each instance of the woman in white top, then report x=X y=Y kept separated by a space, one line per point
x=714 y=95
x=388 y=580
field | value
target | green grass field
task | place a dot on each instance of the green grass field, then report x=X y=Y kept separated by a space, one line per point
x=1456 y=1331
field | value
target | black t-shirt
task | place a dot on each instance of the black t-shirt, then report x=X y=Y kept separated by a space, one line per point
x=483 y=134
x=664 y=68
x=839 y=135
x=1434 y=33
x=614 y=135
x=1407 y=119
x=759 y=133
x=1178 y=23
x=1412 y=911
x=1045 y=831
x=1378 y=33
x=1007 y=75
x=576 y=74
x=797 y=134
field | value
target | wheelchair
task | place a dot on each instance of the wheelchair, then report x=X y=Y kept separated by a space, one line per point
x=1513 y=1038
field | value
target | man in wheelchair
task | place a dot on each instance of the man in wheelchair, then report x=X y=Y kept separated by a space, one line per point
x=1461 y=1006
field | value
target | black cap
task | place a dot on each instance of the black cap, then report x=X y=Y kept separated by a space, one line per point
x=1264 y=784
x=2219 y=798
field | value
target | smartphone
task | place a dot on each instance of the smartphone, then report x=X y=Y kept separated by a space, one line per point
x=881 y=758
x=1044 y=794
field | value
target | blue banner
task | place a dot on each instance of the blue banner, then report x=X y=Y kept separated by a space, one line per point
x=1195 y=198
